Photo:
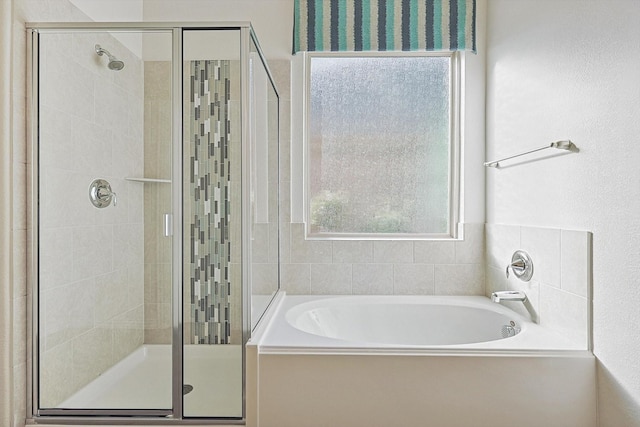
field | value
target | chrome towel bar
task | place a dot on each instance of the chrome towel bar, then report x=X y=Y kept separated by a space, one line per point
x=560 y=145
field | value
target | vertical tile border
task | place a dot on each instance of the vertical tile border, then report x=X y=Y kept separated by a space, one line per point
x=210 y=246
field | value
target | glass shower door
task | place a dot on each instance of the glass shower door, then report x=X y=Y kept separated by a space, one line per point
x=103 y=202
x=155 y=207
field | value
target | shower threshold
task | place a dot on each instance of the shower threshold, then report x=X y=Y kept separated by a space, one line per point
x=142 y=380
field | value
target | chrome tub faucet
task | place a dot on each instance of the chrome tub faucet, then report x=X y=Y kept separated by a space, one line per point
x=508 y=296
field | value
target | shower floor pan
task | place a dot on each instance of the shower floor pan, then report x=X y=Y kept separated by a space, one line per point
x=142 y=380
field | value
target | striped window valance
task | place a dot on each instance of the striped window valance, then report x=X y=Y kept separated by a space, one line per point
x=384 y=25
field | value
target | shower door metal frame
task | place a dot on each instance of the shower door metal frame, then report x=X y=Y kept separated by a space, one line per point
x=175 y=415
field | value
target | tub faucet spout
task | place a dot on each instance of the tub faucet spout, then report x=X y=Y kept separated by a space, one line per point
x=508 y=296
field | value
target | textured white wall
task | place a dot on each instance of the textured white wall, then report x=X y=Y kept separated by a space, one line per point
x=272 y=20
x=571 y=69
x=114 y=11
x=110 y=10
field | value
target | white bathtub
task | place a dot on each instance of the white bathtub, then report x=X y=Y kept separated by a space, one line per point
x=414 y=361
x=420 y=323
x=405 y=321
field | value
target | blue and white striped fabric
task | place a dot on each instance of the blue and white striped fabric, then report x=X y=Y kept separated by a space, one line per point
x=384 y=25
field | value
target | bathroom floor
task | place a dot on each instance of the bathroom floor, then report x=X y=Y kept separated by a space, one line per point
x=143 y=381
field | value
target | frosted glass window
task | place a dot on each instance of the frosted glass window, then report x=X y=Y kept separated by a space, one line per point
x=379 y=145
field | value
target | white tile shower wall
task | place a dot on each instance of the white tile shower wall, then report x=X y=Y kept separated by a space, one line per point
x=559 y=291
x=412 y=267
x=92 y=284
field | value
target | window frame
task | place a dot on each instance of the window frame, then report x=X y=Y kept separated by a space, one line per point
x=455 y=108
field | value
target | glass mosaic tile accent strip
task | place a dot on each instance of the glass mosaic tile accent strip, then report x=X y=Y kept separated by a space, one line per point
x=210 y=197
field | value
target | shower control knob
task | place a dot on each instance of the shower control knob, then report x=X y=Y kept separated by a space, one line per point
x=100 y=194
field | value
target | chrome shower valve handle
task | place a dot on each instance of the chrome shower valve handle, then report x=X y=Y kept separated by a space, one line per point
x=521 y=265
x=101 y=195
x=104 y=194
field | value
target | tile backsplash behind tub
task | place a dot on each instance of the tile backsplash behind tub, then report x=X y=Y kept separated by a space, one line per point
x=560 y=290
x=401 y=267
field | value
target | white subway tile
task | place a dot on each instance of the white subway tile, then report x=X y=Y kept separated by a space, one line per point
x=129 y=246
x=308 y=251
x=135 y=192
x=471 y=249
x=413 y=279
x=260 y=243
x=285 y=203
x=151 y=287
x=274 y=242
x=90 y=148
x=56 y=257
x=56 y=375
x=352 y=251
x=59 y=151
x=576 y=262
x=135 y=286
x=264 y=279
x=331 y=279
x=295 y=279
x=285 y=243
x=111 y=295
x=393 y=251
x=543 y=245
x=164 y=317
x=68 y=312
x=72 y=82
x=92 y=354
x=128 y=332
x=164 y=282
x=434 y=252
x=372 y=279
x=501 y=242
x=495 y=280
x=565 y=313
x=151 y=316
x=460 y=279
x=113 y=110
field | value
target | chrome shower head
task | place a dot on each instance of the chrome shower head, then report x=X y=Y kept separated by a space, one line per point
x=114 y=63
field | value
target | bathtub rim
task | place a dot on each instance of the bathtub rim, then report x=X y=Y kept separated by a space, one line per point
x=280 y=337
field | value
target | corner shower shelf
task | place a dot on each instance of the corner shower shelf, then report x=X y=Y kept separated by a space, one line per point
x=157 y=180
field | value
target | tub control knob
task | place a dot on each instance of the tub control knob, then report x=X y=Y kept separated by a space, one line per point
x=521 y=265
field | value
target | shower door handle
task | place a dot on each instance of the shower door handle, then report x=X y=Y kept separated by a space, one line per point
x=167 y=225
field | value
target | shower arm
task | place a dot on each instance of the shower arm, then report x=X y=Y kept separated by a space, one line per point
x=101 y=51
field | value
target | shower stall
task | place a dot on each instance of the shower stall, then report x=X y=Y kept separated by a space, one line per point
x=154 y=206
